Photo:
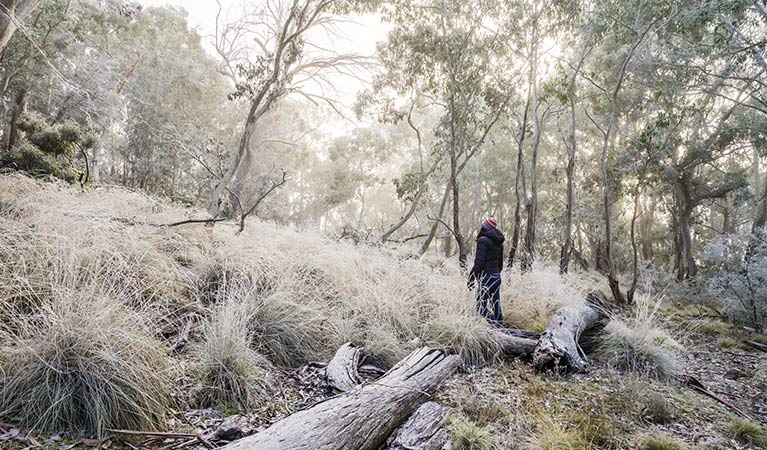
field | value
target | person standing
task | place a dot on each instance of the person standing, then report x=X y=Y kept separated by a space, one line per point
x=488 y=264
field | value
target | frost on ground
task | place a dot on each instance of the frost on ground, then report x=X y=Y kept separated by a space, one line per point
x=111 y=320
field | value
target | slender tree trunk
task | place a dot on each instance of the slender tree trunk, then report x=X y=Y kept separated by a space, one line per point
x=612 y=279
x=19 y=108
x=531 y=208
x=435 y=223
x=462 y=251
x=634 y=249
x=645 y=229
x=519 y=181
x=564 y=256
x=760 y=213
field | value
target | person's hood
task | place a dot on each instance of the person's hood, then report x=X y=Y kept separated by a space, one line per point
x=496 y=235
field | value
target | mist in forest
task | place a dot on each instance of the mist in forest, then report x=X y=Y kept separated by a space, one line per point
x=173 y=160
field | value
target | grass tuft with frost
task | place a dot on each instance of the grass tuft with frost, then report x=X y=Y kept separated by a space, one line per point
x=230 y=371
x=635 y=344
x=83 y=361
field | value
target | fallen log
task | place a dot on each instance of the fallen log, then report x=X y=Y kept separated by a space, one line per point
x=363 y=418
x=512 y=345
x=756 y=345
x=558 y=346
x=342 y=371
x=424 y=430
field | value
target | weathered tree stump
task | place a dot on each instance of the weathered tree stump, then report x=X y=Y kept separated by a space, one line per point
x=363 y=418
x=424 y=430
x=558 y=346
x=342 y=372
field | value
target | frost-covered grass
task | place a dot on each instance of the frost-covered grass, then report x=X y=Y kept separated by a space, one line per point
x=303 y=295
x=637 y=344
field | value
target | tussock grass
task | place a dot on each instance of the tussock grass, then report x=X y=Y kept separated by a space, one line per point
x=83 y=360
x=660 y=441
x=747 y=432
x=302 y=293
x=712 y=327
x=637 y=345
x=529 y=299
x=726 y=343
x=231 y=372
x=549 y=434
x=466 y=435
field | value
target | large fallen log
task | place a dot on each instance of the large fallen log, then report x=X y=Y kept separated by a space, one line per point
x=424 y=430
x=342 y=371
x=558 y=346
x=365 y=417
x=510 y=345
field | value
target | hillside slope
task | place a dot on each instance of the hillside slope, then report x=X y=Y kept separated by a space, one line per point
x=110 y=319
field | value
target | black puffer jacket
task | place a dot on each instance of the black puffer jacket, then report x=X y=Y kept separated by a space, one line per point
x=489 y=257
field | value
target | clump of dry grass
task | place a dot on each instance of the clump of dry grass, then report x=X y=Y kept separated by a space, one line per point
x=83 y=360
x=636 y=344
x=230 y=370
x=550 y=434
x=466 y=435
x=529 y=299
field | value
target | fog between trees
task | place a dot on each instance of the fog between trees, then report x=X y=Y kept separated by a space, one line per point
x=619 y=136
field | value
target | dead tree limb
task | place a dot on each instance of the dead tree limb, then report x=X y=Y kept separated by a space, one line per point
x=342 y=370
x=364 y=418
x=424 y=430
x=558 y=346
x=756 y=345
x=696 y=385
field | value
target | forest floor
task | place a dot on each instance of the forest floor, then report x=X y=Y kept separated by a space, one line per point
x=173 y=279
x=518 y=408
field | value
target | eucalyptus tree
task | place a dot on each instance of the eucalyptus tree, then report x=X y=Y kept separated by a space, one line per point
x=448 y=53
x=532 y=26
x=12 y=15
x=268 y=54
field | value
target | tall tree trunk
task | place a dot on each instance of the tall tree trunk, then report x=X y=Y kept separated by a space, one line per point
x=19 y=108
x=634 y=249
x=687 y=267
x=462 y=251
x=646 y=220
x=564 y=255
x=612 y=279
x=760 y=213
x=519 y=181
x=531 y=207
x=12 y=11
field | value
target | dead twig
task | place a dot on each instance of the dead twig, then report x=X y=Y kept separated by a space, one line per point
x=694 y=383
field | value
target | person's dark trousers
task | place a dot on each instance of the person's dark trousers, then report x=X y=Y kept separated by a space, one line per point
x=490 y=293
